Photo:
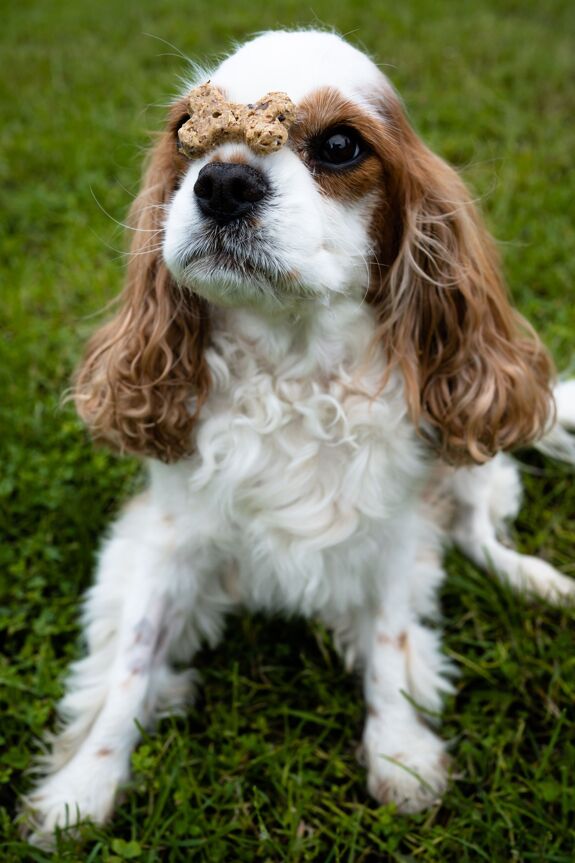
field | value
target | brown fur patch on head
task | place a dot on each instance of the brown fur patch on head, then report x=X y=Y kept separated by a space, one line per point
x=141 y=371
x=324 y=109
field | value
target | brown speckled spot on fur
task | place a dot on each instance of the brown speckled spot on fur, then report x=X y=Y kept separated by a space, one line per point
x=104 y=752
x=399 y=756
x=387 y=641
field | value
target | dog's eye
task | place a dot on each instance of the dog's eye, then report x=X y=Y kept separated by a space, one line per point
x=339 y=147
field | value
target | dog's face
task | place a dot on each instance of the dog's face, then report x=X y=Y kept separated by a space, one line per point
x=271 y=231
x=353 y=204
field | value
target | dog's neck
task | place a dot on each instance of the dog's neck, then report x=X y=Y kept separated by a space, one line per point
x=311 y=344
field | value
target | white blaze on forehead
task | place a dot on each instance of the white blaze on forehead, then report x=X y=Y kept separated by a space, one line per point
x=297 y=63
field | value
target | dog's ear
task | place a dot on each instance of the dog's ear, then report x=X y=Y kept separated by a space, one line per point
x=144 y=377
x=477 y=377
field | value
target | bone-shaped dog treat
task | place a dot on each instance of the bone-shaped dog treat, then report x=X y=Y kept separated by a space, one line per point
x=264 y=127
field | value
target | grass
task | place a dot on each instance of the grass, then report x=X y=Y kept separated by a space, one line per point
x=263 y=768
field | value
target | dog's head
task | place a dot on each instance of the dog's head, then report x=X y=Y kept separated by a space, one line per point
x=271 y=231
x=354 y=204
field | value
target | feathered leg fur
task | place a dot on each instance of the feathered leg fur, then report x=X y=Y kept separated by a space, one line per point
x=145 y=607
x=486 y=498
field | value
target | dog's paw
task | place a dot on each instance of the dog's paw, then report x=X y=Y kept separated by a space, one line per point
x=541 y=579
x=85 y=789
x=413 y=774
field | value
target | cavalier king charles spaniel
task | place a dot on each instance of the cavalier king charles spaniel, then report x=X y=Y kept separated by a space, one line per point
x=316 y=355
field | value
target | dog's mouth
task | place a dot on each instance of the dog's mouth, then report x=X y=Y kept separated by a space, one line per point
x=235 y=256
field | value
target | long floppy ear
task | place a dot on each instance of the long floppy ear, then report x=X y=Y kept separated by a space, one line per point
x=477 y=377
x=143 y=371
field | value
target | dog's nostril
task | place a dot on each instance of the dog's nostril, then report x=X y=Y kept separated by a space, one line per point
x=227 y=191
x=250 y=188
x=238 y=190
x=204 y=187
x=246 y=191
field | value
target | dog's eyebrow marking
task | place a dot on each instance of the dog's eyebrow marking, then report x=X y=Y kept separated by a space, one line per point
x=263 y=126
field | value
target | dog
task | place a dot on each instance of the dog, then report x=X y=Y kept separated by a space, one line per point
x=316 y=356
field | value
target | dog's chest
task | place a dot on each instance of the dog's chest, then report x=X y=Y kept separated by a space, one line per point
x=304 y=458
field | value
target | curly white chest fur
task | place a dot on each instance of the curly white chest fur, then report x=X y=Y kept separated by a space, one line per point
x=303 y=480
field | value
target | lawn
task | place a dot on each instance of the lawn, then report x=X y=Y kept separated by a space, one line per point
x=263 y=768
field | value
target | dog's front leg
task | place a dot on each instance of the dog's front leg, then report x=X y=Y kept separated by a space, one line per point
x=146 y=604
x=403 y=666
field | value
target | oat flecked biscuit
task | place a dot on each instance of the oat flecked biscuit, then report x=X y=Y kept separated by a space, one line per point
x=263 y=126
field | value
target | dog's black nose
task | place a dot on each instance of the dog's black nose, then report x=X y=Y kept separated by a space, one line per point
x=227 y=191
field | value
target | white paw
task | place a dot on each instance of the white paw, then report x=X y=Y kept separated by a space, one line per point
x=84 y=789
x=539 y=577
x=413 y=772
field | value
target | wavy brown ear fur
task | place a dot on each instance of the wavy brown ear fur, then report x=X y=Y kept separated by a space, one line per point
x=477 y=376
x=142 y=369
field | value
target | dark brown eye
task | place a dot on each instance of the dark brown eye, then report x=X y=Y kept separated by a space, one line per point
x=339 y=147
